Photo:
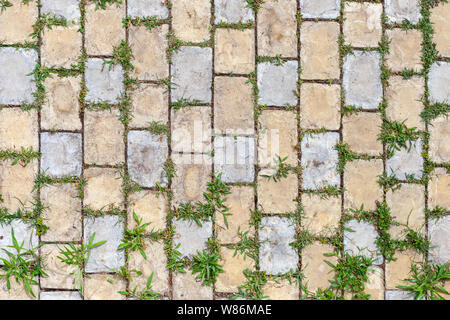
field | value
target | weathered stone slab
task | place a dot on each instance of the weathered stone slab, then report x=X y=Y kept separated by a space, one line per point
x=399 y=295
x=408 y=161
x=68 y=9
x=191 y=237
x=361 y=241
x=60 y=295
x=399 y=10
x=439 y=82
x=232 y=11
x=102 y=83
x=324 y=9
x=277 y=83
x=22 y=232
x=146 y=8
x=439 y=234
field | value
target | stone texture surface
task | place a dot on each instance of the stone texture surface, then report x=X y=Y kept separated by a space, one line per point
x=191 y=237
x=280 y=290
x=361 y=240
x=17 y=291
x=24 y=234
x=149 y=207
x=61 y=47
x=439 y=233
x=362 y=24
x=375 y=283
x=232 y=11
x=145 y=8
x=360 y=132
x=186 y=287
x=404 y=50
x=149 y=103
x=233 y=275
x=60 y=274
x=438 y=191
x=406 y=162
x=234 y=51
x=399 y=270
x=18 y=129
x=399 y=295
x=324 y=9
x=439 y=82
x=191 y=19
x=321 y=216
x=103 y=188
x=441 y=25
x=60 y=295
x=439 y=137
x=277 y=197
x=16 y=23
x=317 y=272
x=104 y=84
x=277 y=83
x=69 y=9
x=103 y=287
x=399 y=10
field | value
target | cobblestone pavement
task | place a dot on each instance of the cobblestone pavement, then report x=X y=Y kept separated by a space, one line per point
x=216 y=149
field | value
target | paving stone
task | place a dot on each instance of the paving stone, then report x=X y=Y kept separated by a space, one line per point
x=149 y=64
x=405 y=50
x=191 y=19
x=60 y=295
x=320 y=160
x=375 y=283
x=186 y=287
x=16 y=22
x=234 y=51
x=23 y=232
x=399 y=270
x=16 y=85
x=319 y=51
x=320 y=106
x=362 y=89
x=61 y=47
x=281 y=290
x=277 y=28
x=149 y=207
x=439 y=82
x=233 y=275
x=232 y=11
x=17 y=290
x=361 y=186
x=103 y=137
x=403 y=100
x=18 y=129
x=399 y=10
x=362 y=24
x=60 y=274
x=438 y=234
x=191 y=237
x=361 y=241
x=103 y=29
x=360 y=132
x=68 y=9
x=324 y=9
x=441 y=24
x=408 y=161
x=233 y=105
x=146 y=8
x=277 y=197
x=321 y=216
x=276 y=255
x=61 y=110
x=438 y=191
x=317 y=272
x=104 y=287
x=149 y=103
x=191 y=130
x=103 y=188
x=147 y=154
x=61 y=154
x=277 y=137
x=439 y=138
x=191 y=73
x=399 y=295
x=407 y=206
x=106 y=257
x=103 y=84
x=62 y=214
x=241 y=202
x=234 y=157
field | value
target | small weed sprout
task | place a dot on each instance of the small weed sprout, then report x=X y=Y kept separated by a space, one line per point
x=134 y=239
x=282 y=169
x=206 y=264
x=145 y=294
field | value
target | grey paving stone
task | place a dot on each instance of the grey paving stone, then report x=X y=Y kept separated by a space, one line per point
x=191 y=74
x=106 y=257
x=362 y=82
x=320 y=160
x=102 y=83
x=60 y=295
x=191 y=236
x=407 y=161
x=276 y=255
x=16 y=86
x=398 y=295
x=232 y=11
x=399 y=10
x=68 y=9
x=235 y=158
x=362 y=240
x=439 y=235
x=61 y=154
x=439 y=82
x=325 y=9
x=277 y=83
x=22 y=232
x=147 y=154
x=147 y=8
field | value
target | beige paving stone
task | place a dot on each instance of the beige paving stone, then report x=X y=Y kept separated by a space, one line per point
x=149 y=103
x=61 y=46
x=405 y=50
x=398 y=270
x=62 y=214
x=321 y=216
x=16 y=22
x=103 y=188
x=60 y=274
x=103 y=137
x=320 y=106
x=439 y=139
x=18 y=129
x=277 y=28
x=362 y=24
x=447 y=288
x=17 y=291
x=283 y=290
x=240 y=203
x=149 y=207
x=233 y=275
x=360 y=183
x=361 y=132
x=191 y=19
x=149 y=64
x=234 y=51
x=438 y=190
x=277 y=197
x=375 y=283
x=186 y=287
x=317 y=272
x=103 y=287
x=440 y=18
x=403 y=99
x=407 y=206
x=319 y=51
x=233 y=105
x=191 y=129
x=103 y=29
x=277 y=137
